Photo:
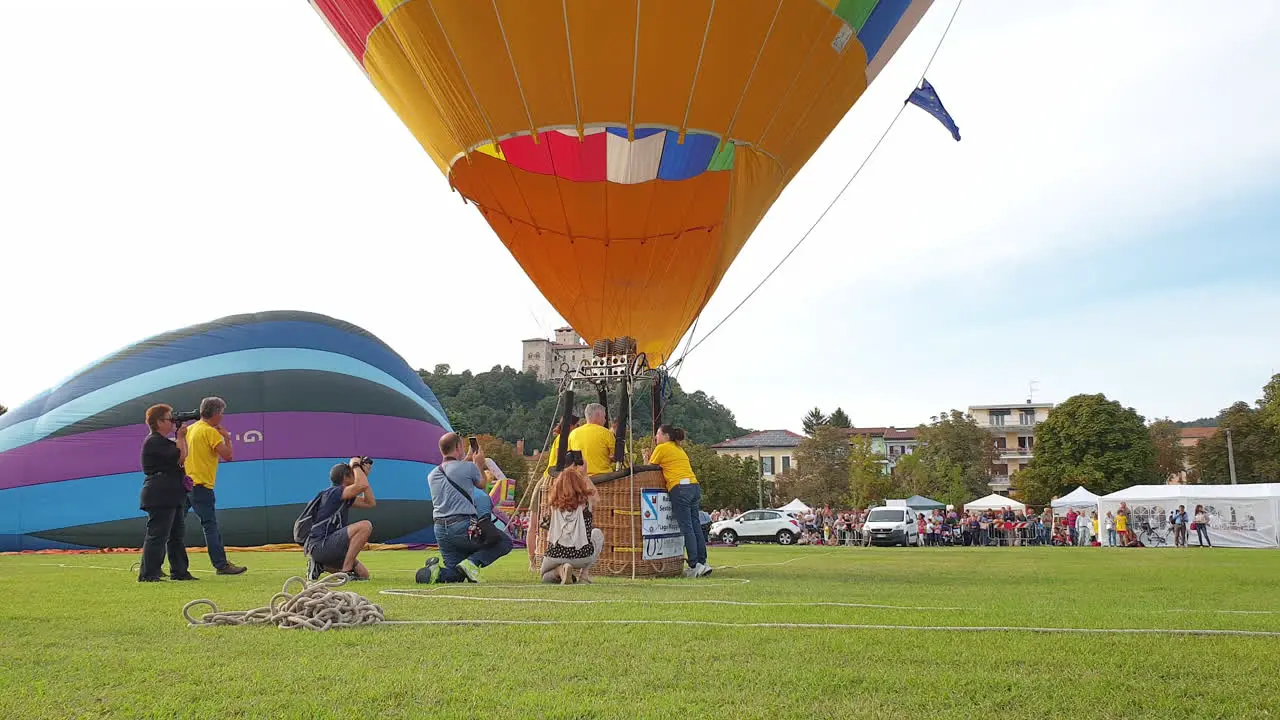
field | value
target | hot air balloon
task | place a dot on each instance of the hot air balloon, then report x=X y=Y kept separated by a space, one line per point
x=623 y=150
x=304 y=391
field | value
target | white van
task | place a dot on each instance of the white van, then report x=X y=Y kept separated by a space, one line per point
x=892 y=525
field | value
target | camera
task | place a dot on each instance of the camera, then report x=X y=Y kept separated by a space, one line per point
x=366 y=461
x=185 y=417
x=573 y=457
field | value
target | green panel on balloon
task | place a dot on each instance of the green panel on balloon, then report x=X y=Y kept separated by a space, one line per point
x=856 y=12
x=723 y=159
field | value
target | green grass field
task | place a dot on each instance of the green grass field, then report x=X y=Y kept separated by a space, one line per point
x=79 y=638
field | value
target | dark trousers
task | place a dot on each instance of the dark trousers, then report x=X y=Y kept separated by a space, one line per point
x=165 y=527
x=203 y=502
x=455 y=547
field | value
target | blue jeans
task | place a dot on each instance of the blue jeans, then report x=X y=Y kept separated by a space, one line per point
x=455 y=547
x=1111 y=537
x=202 y=501
x=686 y=503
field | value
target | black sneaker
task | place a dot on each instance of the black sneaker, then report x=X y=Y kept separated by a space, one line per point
x=151 y=578
x=188 y=576
x=313 y=570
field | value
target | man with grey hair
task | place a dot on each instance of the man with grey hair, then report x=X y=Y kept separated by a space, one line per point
x=208 y=444
x=594 y=440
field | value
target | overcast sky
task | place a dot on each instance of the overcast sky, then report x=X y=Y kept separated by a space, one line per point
x=1109 y=222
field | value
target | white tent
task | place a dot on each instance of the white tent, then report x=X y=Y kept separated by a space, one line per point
x=794 y=507
x=1078 y=499
x=1239 y=515
x=994 y=501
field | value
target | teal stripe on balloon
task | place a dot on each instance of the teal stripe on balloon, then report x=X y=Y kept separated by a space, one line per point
x=148 y=383
x=247 y=484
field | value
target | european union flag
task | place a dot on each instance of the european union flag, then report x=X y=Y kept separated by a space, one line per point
x=926 y=98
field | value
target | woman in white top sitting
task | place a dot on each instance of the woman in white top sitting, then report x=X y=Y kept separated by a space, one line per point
x=572 y=543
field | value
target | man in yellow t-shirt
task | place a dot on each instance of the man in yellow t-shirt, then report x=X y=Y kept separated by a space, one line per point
x=208 y=444
x=594 y=440
x=554 y=453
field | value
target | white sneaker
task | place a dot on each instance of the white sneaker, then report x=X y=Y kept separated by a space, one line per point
x=691 y=572
x=702 y=570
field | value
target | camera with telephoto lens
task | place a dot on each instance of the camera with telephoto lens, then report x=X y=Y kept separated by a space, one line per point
x=366 y=461
x=185 y=417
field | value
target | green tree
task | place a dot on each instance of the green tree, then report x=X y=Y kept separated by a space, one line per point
x=839 y=419
x=1167 y=443
x=704 y=419
x=913 y=476
x=727 y=481
x=955 y=449
x=1255 y=440
x=513 y=464
x=869 y=484
x=3 y=409
x=1092 y=441
x=813 y=421
x=516 y=406
x=820 y=475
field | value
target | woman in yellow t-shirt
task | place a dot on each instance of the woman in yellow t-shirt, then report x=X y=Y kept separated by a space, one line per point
x=685 y=494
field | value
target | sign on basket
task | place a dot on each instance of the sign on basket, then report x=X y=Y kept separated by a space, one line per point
x=661 y=532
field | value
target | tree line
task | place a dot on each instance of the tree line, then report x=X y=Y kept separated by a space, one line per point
x=951 y=464
x=1087 y=440
x=504 y=406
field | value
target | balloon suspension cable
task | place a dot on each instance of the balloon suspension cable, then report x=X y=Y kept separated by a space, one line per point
x=834 y=200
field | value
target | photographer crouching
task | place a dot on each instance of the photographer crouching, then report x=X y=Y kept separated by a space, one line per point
x=334 y=543
x=468 y=539
x=164 y=497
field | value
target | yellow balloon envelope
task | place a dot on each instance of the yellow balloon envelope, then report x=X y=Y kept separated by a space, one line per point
x=622 y=150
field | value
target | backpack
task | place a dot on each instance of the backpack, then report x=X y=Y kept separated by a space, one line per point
x=302 y=526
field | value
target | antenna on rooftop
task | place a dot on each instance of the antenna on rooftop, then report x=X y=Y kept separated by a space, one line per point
x=1031 y=391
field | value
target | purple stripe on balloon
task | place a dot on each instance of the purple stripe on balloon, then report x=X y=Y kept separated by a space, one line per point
x=255 y=436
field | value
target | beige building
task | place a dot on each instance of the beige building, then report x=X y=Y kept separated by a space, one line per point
x=549 y=359
x=1014 y=429
x=774 y=450
x=889 y=442
x=1189 y=438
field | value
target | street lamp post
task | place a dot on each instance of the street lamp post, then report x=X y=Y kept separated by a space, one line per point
x=1231 y=457
x=760 y=479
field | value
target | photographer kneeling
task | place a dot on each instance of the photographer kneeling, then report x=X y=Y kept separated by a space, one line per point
x=467 y=541
x=333 y=544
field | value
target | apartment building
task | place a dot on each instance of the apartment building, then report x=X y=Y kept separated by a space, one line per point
x=1013 y=428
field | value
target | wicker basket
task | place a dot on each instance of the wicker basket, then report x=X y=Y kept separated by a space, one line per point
x=618 y=515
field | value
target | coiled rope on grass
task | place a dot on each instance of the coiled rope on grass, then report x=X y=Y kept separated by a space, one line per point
x=317 y=606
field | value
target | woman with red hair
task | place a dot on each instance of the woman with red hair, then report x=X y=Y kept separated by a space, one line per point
x=572 y=543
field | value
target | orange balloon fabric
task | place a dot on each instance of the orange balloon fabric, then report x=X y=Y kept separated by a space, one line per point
x=622 y=150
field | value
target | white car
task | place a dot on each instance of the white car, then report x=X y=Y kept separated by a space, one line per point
x=892 y=526
x=758 y=525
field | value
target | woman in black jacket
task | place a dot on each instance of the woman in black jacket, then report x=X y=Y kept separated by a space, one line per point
x=164 y=497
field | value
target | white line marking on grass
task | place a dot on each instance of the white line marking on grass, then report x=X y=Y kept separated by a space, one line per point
x=775 y=564
x=431 y=593
x=1229 y=612
x=104 y=567
x=838 y=626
